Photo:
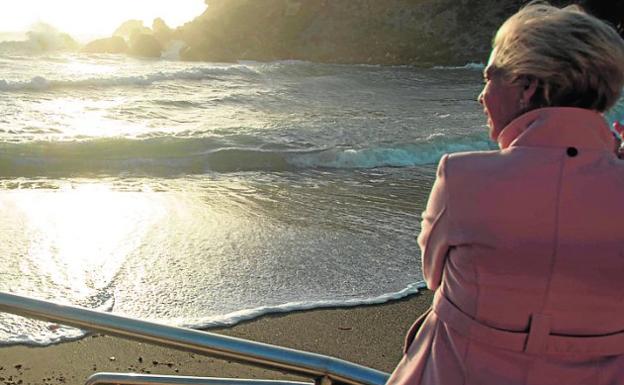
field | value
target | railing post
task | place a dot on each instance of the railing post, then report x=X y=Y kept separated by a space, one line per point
x=324 y=380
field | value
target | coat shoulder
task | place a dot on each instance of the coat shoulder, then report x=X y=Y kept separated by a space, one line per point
x=475 y=162
x=474 y=155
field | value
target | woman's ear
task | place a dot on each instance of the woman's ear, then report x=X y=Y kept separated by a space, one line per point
x=529 y=89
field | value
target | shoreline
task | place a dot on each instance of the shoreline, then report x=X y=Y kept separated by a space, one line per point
x=369 y=335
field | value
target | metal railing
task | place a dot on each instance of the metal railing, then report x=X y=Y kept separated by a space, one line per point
x=322 y=369
x=153 y=379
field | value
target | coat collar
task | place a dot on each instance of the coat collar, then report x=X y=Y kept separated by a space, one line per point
x=558 y=127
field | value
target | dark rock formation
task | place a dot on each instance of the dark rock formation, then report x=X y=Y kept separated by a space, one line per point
x=134 y=38
x=115 y=44
x=162 y=32
x=129 y=28
x=418 y=32
x=347 y=31
x=145 y=45
x=421 y=32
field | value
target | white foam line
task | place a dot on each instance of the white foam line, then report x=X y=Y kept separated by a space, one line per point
x=56 y=339
x=40 y=83
x=250 y=314
x=467 y=66
x=65 y=334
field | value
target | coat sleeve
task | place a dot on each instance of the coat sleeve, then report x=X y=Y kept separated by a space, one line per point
x=435 y=229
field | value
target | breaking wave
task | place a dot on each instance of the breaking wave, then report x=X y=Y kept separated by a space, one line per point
x=40 y=83
x=616 y=112
x=467 y=66
x=177 y=156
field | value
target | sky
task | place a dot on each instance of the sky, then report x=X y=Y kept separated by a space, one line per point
x=93 y=17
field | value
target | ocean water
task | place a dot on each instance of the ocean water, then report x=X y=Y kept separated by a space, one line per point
x=203 y=194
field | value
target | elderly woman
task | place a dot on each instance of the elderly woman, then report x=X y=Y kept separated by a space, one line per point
x=523 y=246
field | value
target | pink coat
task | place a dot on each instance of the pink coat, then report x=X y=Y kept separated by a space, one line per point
x=524 y=249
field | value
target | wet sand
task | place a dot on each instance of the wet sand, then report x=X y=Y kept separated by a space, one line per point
x=368 y=335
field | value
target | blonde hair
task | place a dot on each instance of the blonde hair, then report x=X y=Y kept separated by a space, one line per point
x=576 y=59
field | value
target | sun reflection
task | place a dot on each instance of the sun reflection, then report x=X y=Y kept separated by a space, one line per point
x=78 y=117
x=81 y=236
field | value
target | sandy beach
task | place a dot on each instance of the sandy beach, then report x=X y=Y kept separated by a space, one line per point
x=367 y=335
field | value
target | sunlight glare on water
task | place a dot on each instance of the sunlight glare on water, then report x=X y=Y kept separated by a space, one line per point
x=79 y=236
x=200 y=194
x=79 y=117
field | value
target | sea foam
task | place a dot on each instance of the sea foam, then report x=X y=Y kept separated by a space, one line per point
x=467 y=66
x=249 y=314
x=40 y=83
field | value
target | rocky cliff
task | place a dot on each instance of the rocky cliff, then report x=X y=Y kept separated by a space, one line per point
x=421 y=32
x=347 y=31
x=417 y=32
